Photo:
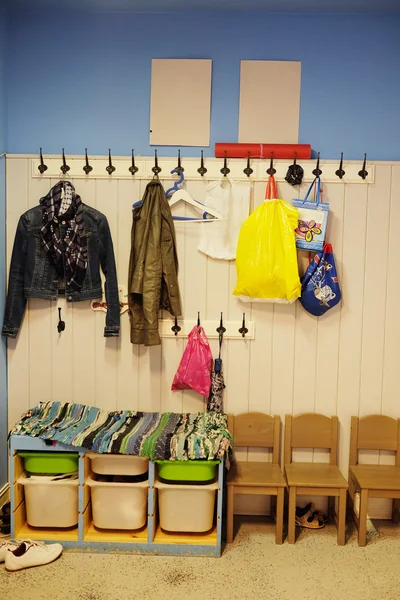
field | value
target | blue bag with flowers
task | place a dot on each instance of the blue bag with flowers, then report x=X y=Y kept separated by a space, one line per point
x=320 y=289
x=313 y=217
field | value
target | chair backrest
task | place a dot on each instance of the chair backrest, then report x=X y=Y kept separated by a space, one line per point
x=256 y=429
x=374 y=432
x=311 y=430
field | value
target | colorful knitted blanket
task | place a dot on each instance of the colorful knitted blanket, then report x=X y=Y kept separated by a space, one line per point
x=159 y=436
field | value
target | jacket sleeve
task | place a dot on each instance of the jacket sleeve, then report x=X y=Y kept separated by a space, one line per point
x=16 y=301
x=107 y=261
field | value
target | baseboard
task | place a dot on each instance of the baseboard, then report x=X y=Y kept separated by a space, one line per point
x=4 y=494
x=381 y=515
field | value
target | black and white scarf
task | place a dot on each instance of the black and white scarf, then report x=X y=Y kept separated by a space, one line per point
x=69 y=256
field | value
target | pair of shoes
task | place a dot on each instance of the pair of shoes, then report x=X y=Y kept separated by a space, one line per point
x=28 y=554
x=309 y=518
x=5 y=520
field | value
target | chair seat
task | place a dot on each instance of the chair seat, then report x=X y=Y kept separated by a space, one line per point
x=255 y=474
x=314 y=475
x=377 y=477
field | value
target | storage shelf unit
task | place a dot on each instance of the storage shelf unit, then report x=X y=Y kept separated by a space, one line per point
x=86 y=537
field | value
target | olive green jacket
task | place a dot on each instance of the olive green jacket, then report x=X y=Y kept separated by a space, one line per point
x=153 y=266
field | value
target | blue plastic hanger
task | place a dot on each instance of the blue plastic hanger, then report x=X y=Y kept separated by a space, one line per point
x=177 y=183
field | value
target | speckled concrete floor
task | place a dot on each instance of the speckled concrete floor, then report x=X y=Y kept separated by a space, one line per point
x=315 y=568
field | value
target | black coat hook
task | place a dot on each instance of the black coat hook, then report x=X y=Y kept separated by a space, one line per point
x=317 y=171
x=110 y=169
x=60 y=324
x=133 y=168
x=225 y=170
x=364 y=173
x=198 y=319
x=243 y=330
x=87 y=168
x=295 y=172
x=156 y=169
x=179 y=167
x=221 y=329
x=42 y=167
x=202 y=170
x=175 y=328
x=64 y=167
x=340 y=173
x=248 y=170
x=271 y=170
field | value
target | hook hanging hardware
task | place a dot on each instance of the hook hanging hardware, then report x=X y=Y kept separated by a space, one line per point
x=179 y=167
x=60 y=324
x=271 y=170
x=243 y=330
x=110 y=169
x=87 y=168
x=225 y=170
x=42 y=167
x=221 y=329
x=248 y=170
x=317 y=171
x=133 y=168
x=364 y=173
x=64 y=167
x=340 y=173
x=202 y=170
x=198 y=319
x=176 y=328
x=156 y=169
x=218 y=361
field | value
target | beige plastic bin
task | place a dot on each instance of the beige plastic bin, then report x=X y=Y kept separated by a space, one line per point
x=118 y=464
x=187 y=508
x=50 y=503
x=118 y=505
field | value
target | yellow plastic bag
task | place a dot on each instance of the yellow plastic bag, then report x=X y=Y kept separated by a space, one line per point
x=266 y=258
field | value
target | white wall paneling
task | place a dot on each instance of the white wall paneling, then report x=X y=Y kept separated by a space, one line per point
x=343 y=363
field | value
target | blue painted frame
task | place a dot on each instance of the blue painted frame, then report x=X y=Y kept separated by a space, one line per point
x=3 y=343
x=19 y=442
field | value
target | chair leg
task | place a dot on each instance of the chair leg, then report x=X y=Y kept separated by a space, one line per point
x=362 y=527
x=331 y=508
x=396 y=511
x=280 y=498
x=341 y=538
x=291 y=537
x=229 y=515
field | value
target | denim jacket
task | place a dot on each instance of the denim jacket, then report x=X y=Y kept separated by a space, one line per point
x=33 y=275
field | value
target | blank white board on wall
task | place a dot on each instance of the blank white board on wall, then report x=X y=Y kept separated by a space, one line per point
x=180 y=102
x=269 y=101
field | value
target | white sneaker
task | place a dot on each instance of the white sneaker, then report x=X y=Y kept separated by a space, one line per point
x=4 y=546
x=31 y=554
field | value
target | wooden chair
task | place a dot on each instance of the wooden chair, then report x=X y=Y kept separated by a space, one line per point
x=373 y=432
x=263 y=431
x=312 y=430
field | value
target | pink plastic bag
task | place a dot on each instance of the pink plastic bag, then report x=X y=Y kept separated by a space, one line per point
x=194 y=371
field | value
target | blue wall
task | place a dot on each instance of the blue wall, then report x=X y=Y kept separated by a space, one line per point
x=84 y=79
x=3 y=356
x=3 y=363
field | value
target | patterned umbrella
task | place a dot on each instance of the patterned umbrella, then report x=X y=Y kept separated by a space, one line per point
x=215 y=399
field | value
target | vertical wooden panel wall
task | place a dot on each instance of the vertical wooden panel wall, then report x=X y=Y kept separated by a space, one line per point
x=344 y=363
